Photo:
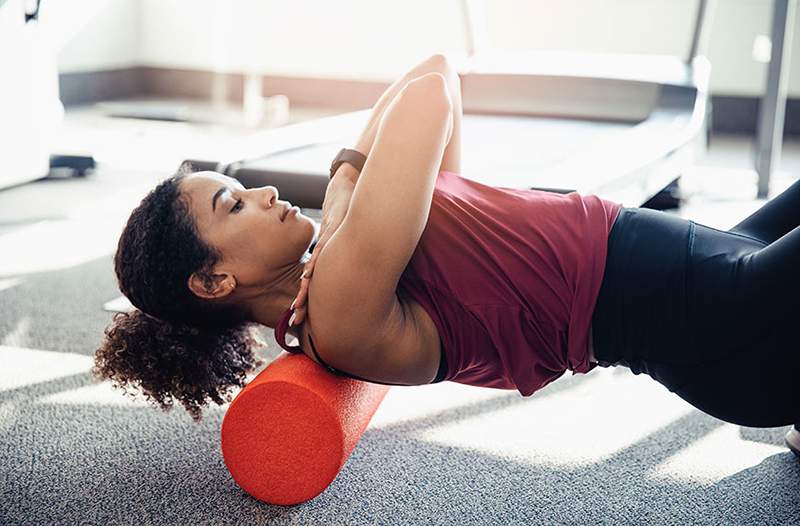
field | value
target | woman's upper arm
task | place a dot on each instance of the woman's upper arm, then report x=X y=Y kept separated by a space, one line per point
x=388 y=211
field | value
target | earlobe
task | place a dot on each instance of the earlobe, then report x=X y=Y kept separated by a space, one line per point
x=211 y=286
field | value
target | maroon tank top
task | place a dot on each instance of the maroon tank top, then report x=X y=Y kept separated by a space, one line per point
x=510 y=278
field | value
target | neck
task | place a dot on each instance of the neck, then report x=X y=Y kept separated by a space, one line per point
x=267 y=306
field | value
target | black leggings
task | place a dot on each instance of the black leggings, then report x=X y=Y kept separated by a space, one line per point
x=713 y=315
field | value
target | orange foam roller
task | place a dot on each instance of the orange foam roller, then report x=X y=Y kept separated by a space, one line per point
x=289 y=432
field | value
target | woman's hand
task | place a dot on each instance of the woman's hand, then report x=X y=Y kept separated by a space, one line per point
x=334 y=209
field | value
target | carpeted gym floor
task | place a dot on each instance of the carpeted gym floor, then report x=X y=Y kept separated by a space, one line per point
x=604 y=448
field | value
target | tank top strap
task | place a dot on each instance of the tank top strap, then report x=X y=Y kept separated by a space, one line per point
x=280 y=336
x=280 y=333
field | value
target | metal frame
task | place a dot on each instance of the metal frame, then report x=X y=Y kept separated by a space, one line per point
x=700 y=34
x=769 y=137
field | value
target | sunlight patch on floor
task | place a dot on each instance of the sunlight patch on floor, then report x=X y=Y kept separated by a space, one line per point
x=100 y=394
x=6 y=284
x=716 y=455
x=23 y=367
x=19 y=335
x=572 y=427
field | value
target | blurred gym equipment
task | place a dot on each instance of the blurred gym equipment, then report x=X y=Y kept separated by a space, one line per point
x=769 y=138
x=624 y=127
x=32 y=113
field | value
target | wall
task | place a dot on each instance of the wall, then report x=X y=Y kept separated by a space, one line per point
x=378 y=40
x=93 y=35
x=342 y=39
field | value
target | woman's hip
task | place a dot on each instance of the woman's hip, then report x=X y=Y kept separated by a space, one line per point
x=674 y=292
x=641 y=307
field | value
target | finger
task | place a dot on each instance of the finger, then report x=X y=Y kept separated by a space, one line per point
x=299 y=305
x=299 y=316
x=299 y=300
x=302 y=295
x=308 y=269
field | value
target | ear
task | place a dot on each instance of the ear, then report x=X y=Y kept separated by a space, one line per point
x=211 y=286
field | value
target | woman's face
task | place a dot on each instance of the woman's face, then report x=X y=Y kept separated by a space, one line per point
x=247 y=226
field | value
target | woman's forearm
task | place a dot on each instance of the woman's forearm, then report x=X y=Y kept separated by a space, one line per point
x=436 y=63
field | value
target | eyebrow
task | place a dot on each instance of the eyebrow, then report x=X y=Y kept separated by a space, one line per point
x=216 y=196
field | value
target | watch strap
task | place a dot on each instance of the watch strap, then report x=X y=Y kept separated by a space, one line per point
x=346 y=155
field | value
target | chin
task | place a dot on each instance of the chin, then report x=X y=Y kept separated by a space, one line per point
x=311 y=236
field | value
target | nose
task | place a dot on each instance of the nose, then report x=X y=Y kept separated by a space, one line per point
x=272 y=196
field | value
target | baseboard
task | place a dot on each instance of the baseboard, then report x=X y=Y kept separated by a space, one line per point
x=95 y=86
x=89 y=87
x=730 y=114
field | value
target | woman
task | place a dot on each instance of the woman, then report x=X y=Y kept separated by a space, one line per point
x=420 y=275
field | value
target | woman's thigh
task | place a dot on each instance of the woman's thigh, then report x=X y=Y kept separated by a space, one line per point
x=725 y=308
x=741 y=289
x=755 y=387
x=779 y=215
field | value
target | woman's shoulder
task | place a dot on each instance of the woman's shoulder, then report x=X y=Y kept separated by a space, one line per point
x=404 y=348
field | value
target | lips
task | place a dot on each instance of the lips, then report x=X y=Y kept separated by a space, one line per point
x=285 y=211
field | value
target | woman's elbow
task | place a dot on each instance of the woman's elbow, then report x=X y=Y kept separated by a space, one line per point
x=432 y=89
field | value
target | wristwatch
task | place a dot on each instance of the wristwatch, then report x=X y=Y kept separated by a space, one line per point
x=345 y=155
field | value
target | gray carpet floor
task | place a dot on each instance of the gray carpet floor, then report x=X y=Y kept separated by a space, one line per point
x=604 y=448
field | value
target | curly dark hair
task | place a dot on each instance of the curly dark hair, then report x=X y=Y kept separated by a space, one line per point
x=176 y=346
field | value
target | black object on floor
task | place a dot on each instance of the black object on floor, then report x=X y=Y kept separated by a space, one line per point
x=78 y=163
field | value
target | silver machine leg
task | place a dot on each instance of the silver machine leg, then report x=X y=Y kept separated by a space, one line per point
x=773 y=105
